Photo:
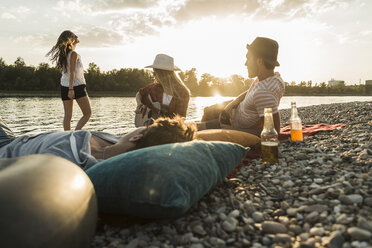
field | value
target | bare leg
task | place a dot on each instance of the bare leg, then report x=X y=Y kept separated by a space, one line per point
x=67 y=105
x=84 y=105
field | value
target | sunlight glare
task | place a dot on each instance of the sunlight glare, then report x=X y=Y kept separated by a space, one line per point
x=78 y=182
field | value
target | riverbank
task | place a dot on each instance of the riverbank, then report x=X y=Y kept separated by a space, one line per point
x=133 y=94
x=320 y=193
x=57 y=94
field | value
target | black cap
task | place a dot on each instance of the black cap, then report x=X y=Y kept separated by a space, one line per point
x=265 y=48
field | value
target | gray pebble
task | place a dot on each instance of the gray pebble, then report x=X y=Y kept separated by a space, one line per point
x=230 y=224
x=257 y=216
x=359 y=234
x=273 y=227
x=282 y=238
x=336 y=240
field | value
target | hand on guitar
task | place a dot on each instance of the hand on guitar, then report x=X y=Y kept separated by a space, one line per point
x=141 y=109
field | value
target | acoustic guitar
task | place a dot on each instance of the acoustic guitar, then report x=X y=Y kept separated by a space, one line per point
x=146 y=114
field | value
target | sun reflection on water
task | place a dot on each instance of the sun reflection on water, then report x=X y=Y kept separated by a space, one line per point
x=197 y=105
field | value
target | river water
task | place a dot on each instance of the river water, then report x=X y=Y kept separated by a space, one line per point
x=115 y=114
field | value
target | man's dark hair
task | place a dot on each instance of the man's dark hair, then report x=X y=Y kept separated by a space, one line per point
x=166 y=130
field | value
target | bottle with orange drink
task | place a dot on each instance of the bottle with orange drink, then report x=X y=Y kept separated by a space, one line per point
x=296 y=124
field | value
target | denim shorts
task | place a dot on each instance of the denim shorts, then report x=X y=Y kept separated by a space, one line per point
x=80 y=91
x=6 y=135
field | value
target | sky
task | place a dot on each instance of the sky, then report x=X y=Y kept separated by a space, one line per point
x=318 y=39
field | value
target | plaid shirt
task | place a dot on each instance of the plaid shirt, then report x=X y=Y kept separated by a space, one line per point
x=178 y=105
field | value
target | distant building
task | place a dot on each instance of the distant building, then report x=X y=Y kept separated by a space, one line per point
x=369 y=82
x=333 y=83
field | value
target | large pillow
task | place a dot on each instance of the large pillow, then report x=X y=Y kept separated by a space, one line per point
x=239 y=137
x=162 y=181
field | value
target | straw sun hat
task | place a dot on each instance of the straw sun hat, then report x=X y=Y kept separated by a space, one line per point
x=163 y=62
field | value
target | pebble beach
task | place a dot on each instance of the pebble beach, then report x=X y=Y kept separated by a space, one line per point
x=318 y=195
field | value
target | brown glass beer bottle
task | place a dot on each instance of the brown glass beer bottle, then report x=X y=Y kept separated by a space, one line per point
x=269 y=139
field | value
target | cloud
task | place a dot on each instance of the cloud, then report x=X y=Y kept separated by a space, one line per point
x=146 y=17
x=7 y=16
x=93 y=38
x=103 y=5
x=141 y=23
x=197 y=9
x=100 y=37
x=121 y=21
x=21 y=10
x=13 y=13
x=366 y=32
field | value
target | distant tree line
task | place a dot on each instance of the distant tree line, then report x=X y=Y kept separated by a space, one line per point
x=19 y=77
x=310 y=89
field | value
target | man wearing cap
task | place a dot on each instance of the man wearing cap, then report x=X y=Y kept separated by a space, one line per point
x=245 y=113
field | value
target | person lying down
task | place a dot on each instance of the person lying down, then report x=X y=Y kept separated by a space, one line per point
x=86 y=148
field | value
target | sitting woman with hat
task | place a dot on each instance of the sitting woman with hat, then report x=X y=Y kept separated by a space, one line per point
x=166 y=96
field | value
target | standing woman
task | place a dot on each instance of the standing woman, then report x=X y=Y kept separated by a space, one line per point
x=73 y=84
x=166 y=96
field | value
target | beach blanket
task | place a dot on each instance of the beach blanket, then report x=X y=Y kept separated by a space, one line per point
x=285 y=134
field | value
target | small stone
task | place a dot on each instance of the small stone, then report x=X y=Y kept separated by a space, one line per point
x=317 y=231
x=338 y=227
x=288 y=184
x=266 y=240
x=318 y=180
x=345 y=200
x=273 y=227
x=217 y=242
x=284 y=205
x=197 y=246
x=235 y=213
x=275 y=181
x=230 y=224
x=257 y=217
x=296 y=229
x=282 y=238
x=316 y=207
x=301 y=156
x=312 y=217
x=198 y=229
x=292 y=212
x=368 y=201
x=358 y=233
x=133 y=243
x=336 y=240
x=355 y=198
x=364 y=224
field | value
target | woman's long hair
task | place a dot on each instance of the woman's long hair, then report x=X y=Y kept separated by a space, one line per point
x=58 y=53
x=171 y=84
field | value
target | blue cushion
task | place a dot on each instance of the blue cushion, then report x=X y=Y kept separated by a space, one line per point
x=162 y=181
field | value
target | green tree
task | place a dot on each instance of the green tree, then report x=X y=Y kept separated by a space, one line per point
x=190 y=80
x=19 y=62
x=205 y=84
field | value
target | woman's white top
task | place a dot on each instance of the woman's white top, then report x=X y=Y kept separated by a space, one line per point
x=79 y=72
x=167 y=99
